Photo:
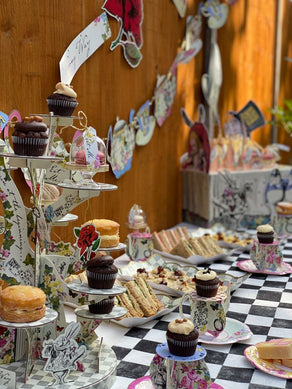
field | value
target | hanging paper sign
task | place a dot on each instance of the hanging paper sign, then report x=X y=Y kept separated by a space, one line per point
x=164 y=93
x=147 y=124
x=83 y=46
x=215 y=12
x=90 y=146
x=130 y=15
x=181 y=6
x=121 y=141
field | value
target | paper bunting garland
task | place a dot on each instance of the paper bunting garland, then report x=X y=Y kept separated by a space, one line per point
x=130 y=15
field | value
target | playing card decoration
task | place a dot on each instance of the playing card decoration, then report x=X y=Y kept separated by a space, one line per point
x=130 y=15
x=164 y=93
x=146 y=124
x=120 y=146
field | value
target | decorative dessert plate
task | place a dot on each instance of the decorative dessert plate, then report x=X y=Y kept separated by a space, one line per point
x=127 y=273
x=233 y=332
x=121 y=246
x=252 y=355
x=50 y=316
x=249 y=266
x=115 y=313
x=145 y=383
x=84 y=288
x=192 y=260
x=169 y=306
x=100 y=186
x=163 y=351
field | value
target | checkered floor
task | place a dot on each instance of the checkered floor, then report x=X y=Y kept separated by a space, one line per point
x=263 y=302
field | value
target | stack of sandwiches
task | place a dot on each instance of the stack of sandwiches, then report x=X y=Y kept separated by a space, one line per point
x=178 y=242
x=139 y=299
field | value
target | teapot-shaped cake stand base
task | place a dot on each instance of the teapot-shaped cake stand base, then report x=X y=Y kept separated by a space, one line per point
x=89 y=378
x=173 y=372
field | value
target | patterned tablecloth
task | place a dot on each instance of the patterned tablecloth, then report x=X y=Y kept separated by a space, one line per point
x=263 y=302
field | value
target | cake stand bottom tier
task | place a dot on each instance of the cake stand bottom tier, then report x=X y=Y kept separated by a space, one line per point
x=89 y=378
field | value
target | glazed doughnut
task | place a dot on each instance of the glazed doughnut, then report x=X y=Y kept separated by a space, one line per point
x=22 y=304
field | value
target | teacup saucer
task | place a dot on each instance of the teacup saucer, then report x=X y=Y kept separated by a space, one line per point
x=250 y=267
x=233 y=332
x=145 y=383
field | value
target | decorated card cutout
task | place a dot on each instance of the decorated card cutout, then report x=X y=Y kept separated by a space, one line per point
x=181 y=6
x=164 y=94
x=87 y=241
x=121 y=142
x=129 y=13
x=63 y=353
x=83 y=46
x=215 y=11
x=192 y=43
x=146 y=123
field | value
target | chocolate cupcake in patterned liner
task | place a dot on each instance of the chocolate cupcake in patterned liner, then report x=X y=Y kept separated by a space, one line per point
x=182 y=337
x=63 y=101
x=30 y=136
x=101 y=272
x=207 y=283
x=102 y=307
x=265 y=234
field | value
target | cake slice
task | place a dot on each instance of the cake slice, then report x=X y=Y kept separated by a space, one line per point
x=275 y=349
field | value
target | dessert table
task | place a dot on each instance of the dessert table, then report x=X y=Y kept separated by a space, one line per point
x=263 y=302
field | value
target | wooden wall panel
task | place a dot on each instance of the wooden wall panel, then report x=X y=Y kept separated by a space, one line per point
x=33 y=37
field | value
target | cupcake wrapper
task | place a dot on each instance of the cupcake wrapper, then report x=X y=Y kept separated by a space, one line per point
x=61 y=107
x=182 y=348
x=29 y=146
x=100 y=280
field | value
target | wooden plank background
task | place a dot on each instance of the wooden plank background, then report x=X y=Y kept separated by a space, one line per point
x=34 y=35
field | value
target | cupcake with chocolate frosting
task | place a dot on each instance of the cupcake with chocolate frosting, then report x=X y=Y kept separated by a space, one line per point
x=182 y=337
x=207 y=283
x=63 y=101
x=101 y=272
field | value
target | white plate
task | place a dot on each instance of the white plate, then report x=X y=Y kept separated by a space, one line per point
x=233 y=332
x=130 y=270
x=170 y=305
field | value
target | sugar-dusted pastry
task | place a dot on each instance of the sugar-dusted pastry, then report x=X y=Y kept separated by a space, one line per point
x=22 y=304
